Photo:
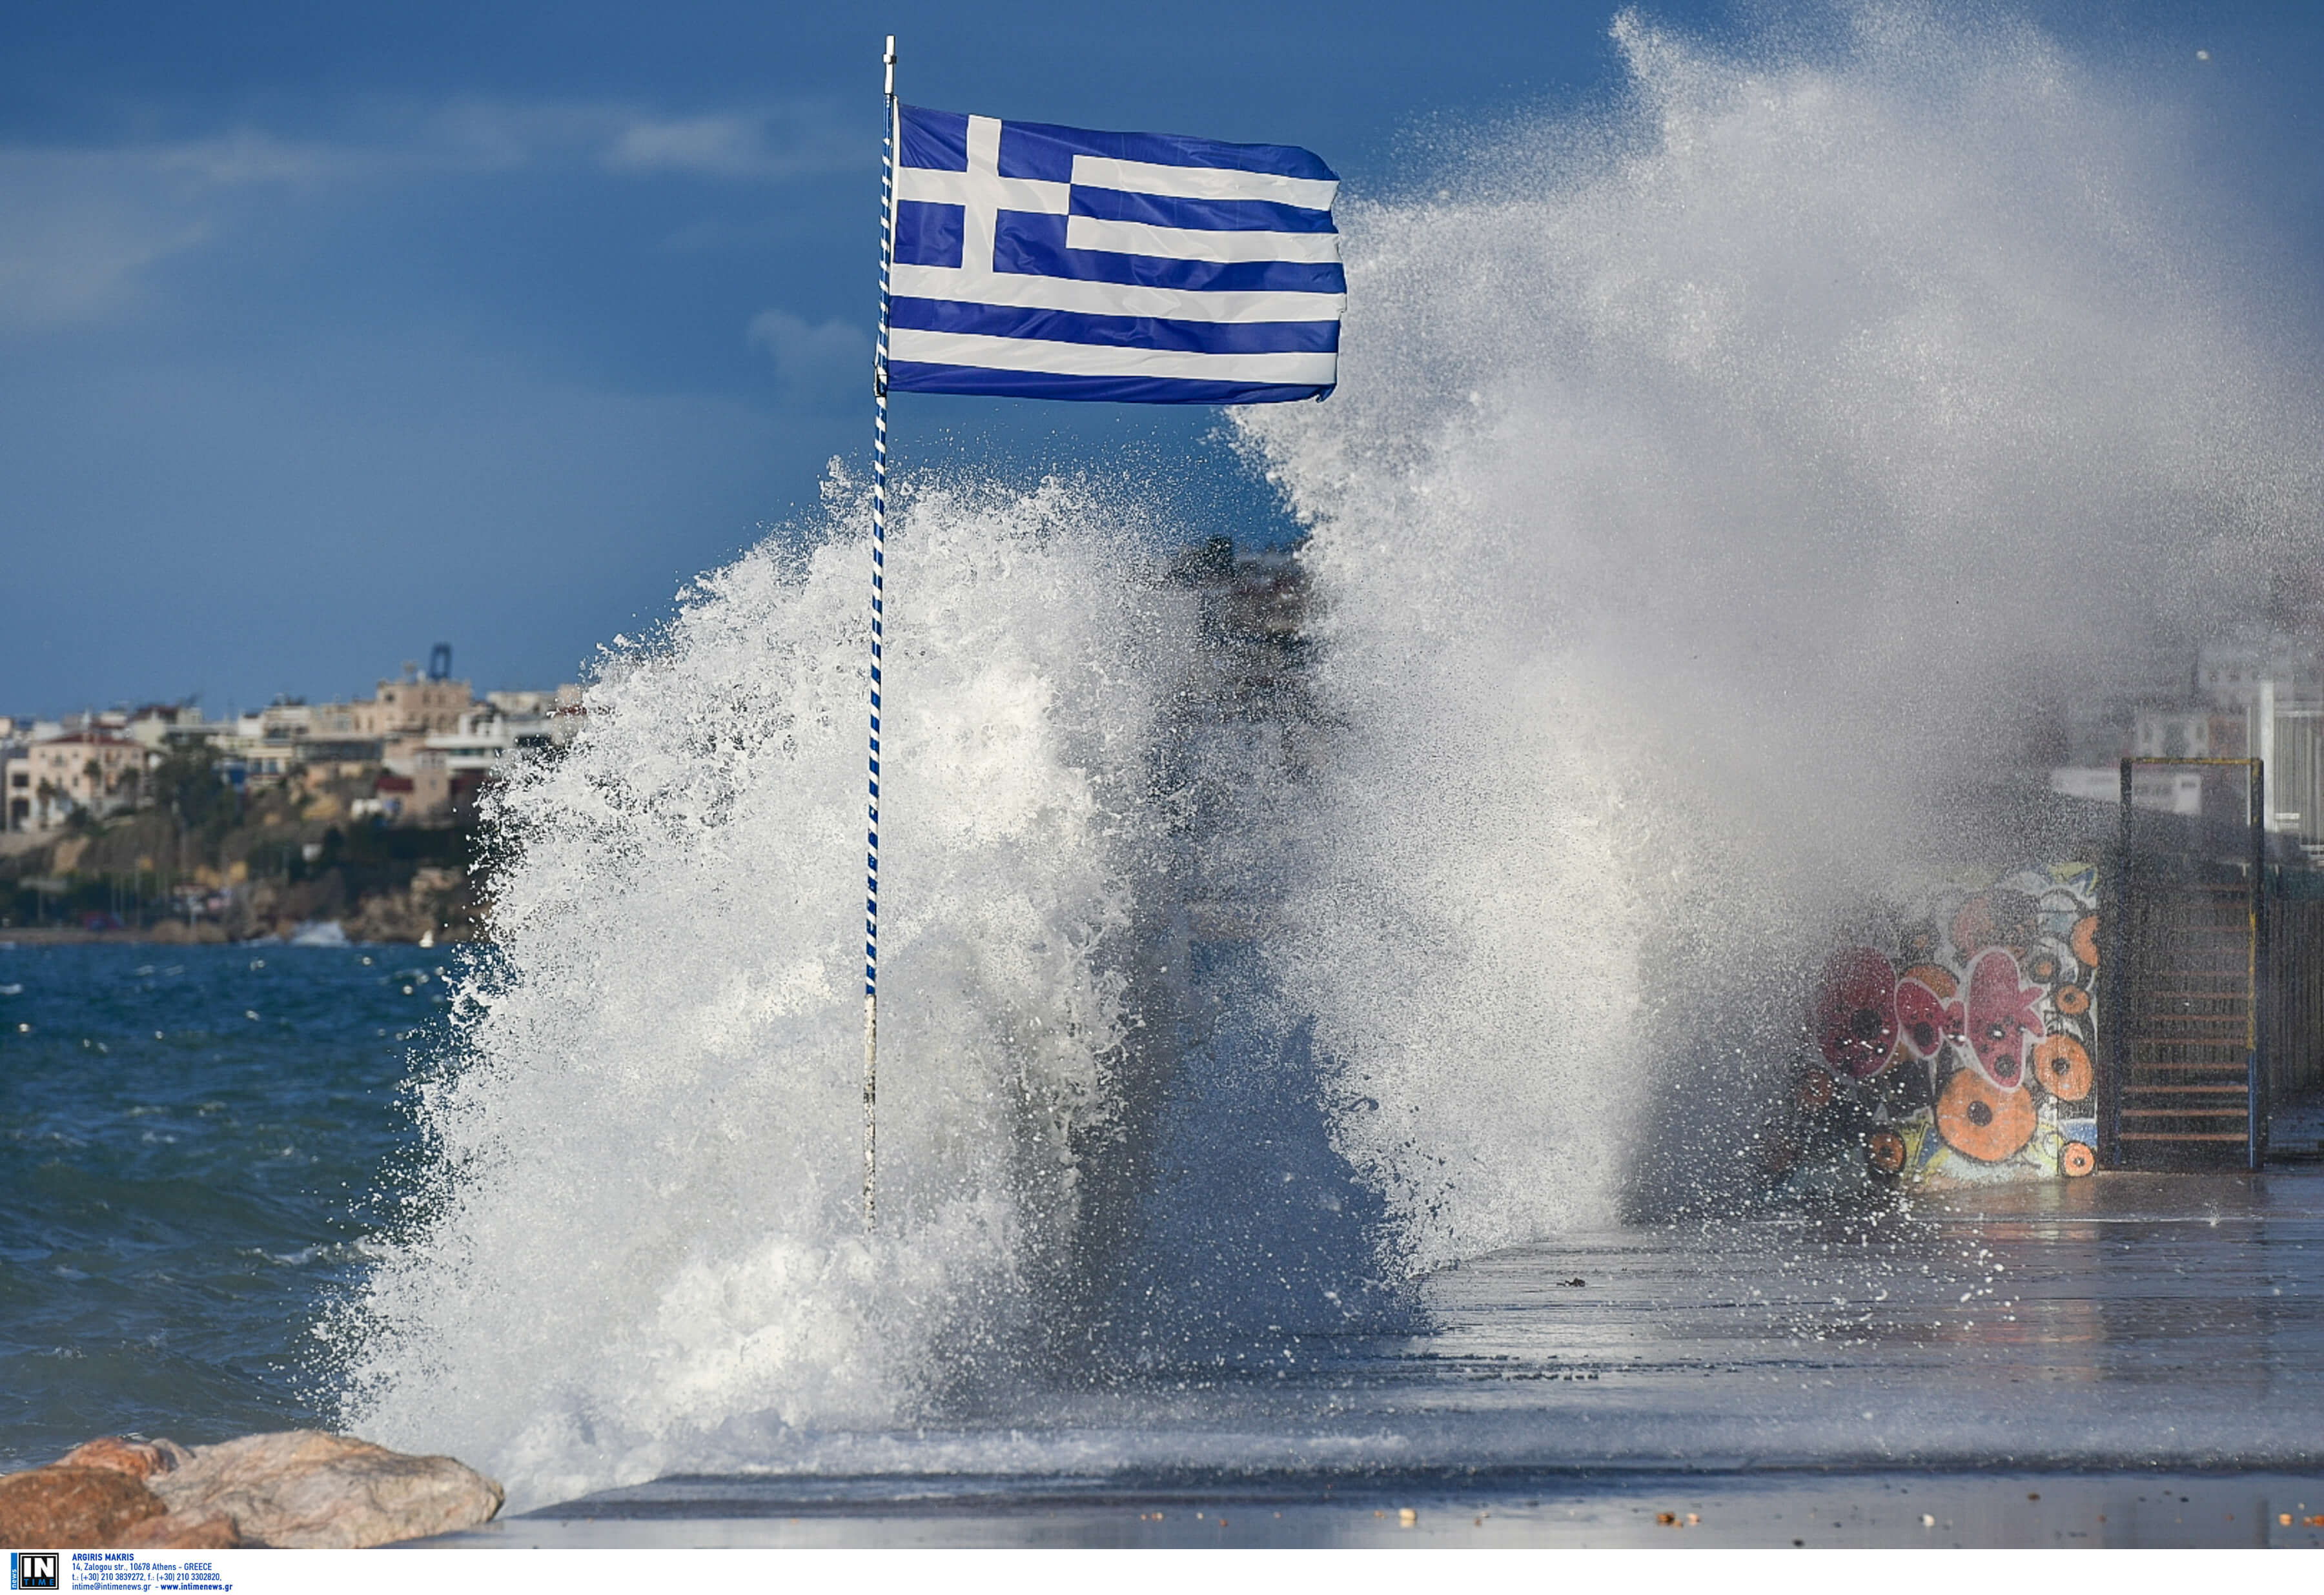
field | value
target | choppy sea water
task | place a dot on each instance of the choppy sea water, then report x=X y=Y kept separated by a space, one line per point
x=190 y=1139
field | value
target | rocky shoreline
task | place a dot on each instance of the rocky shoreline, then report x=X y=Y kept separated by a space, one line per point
x=248 y=866
x=301 y=1489
x=434 y=908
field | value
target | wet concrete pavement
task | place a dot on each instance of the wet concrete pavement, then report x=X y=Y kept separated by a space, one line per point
x=1807 y=1510
x=2127 y=1359
x=2154 y=1319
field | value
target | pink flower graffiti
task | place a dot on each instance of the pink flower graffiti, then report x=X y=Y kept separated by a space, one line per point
x=1855 y=1012
x=2002 y=1018
x=1927 y=1021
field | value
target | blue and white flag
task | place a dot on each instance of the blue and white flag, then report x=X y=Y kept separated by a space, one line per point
x=1051 y=262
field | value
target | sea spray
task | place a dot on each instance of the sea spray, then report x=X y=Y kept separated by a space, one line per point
x=635 y=1244
x=1715 y=483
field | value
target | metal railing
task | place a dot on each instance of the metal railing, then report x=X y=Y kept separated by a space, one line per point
x=2140 y=890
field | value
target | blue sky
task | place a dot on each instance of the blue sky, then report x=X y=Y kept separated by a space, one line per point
x=327 y=333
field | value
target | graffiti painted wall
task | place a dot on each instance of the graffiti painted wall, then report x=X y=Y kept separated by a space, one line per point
x=1956 y=1041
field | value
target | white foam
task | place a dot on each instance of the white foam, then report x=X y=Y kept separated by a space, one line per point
x=639 y=1216
x=1709 y=485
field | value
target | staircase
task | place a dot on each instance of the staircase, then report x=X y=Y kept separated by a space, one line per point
x=2186 y=1102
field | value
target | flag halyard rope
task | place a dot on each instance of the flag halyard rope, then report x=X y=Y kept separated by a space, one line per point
x=879 y=617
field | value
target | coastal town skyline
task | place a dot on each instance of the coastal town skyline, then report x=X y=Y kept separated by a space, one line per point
x=18 y=718
x=421 y=741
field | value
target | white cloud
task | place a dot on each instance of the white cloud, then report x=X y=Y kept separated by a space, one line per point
x=80 y=226
x=791 y=142
x=725 y=146
x=815 y=363
x=498 y=136
x=799 y=139
x=75 y=231
x=246 y=157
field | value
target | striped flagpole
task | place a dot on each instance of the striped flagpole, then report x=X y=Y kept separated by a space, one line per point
x=879 y=603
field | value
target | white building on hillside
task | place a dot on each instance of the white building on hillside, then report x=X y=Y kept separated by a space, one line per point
x=92 y=770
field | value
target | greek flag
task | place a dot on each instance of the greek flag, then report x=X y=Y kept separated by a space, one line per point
x=1051 y=262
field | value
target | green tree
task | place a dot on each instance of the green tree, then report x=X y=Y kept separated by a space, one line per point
x=186 y=782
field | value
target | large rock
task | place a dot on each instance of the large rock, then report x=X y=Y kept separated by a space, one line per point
x=140 y=1459
x=304 y=1488
x=68 y=1508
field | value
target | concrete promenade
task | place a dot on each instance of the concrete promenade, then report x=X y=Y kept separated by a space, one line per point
x=2126 y=1359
